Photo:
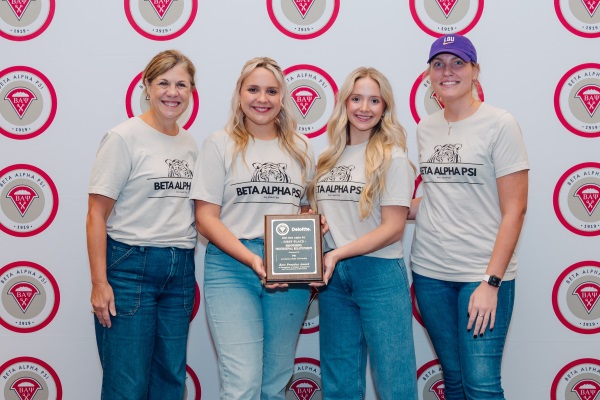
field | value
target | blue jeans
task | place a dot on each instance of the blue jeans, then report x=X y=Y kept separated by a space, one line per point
x=143 y=354
x=471 y=365
x=367 y=306
x=254 y=329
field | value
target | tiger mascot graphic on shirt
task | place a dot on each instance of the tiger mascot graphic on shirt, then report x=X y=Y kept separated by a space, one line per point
x=179 y=169
x=269 y=172
x=446 y=154
x=341 y=173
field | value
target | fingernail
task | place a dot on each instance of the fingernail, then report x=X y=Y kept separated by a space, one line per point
x=481 y=335
x=474 y=336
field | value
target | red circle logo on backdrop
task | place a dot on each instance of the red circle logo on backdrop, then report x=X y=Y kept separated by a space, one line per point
x=576 y=198
x=577 y=100
x=29 y=298
x=441 y=17
x=578 y=380
x=193 y=390
x=311 y=321
x=313 y=94
x=580 y=17
x=576 y=295
x=306 y=381
x=424 y=101
x=197 y=299
x=25 y=19
x=26 y=377
x=161 y=19
x=27 y=102
x=28 y=200
x=303 y=19
x=430 y=381
x=136 y=102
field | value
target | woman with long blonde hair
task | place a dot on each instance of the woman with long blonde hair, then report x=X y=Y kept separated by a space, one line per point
x=258 y=165
x=363 y=185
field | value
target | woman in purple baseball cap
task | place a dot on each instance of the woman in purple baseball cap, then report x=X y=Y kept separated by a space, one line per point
x=474 y=168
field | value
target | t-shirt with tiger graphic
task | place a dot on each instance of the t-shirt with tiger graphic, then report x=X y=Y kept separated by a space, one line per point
x=149 y=174
x=338 y=193
x=268 y=182
x=459 y=215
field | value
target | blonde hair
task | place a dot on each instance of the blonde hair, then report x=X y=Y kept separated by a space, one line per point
x=164 y=61
x=285 y=122
x=384 y=136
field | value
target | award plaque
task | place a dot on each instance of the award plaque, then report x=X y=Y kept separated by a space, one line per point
x=293 y=248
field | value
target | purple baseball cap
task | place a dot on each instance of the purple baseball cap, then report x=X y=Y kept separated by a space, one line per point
x=458 y=45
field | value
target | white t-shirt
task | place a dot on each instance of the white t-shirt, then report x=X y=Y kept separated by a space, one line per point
x=459 y=215
x=269 y=182
x=149 y=175
x=338 y=193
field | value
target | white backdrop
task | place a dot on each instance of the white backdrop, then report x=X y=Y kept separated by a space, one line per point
x=65 y=71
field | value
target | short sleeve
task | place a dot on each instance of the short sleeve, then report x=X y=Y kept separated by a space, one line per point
x=508 y=149
x=112 y=167
x=400 y=182
x=209 y=172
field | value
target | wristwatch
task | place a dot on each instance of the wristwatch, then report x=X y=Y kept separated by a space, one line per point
x=492 y=280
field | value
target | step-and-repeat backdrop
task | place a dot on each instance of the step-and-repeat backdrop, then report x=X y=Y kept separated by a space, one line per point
x=70 y=70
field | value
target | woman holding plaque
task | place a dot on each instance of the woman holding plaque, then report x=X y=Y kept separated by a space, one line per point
x=468 y=223
x=258 y=165
x=364 y=185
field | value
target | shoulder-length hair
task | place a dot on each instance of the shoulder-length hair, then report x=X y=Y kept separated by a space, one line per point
x=285 y=122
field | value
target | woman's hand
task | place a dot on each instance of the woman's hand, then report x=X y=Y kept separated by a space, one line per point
x=482 y=308
x=330 y=260
x=103 y=303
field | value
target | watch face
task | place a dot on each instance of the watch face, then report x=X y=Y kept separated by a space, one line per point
x=494 y=281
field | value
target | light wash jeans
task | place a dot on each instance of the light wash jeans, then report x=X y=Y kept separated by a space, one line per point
x=471 y=366
x=143 y=354
x=366 y=307
x=255 y=330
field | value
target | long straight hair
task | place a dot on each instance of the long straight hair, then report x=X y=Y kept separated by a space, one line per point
x=378 y=155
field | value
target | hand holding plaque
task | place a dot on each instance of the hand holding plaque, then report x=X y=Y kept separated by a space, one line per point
x=293 y=248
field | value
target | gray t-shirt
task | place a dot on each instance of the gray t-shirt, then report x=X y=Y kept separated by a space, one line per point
x=149 y=175
x=459 y=215
x=269 y=182
x=338 y=193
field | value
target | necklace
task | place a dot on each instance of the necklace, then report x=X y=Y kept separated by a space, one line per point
x=450 y=125
x=468 y=114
